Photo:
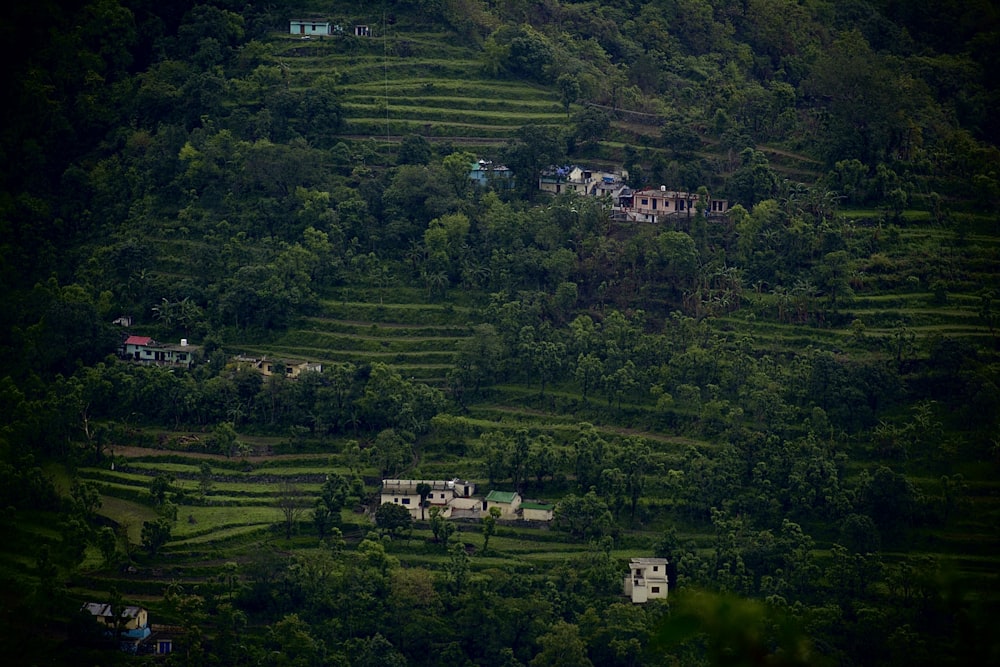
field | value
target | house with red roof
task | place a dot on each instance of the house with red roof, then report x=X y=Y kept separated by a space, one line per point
x=145 y=350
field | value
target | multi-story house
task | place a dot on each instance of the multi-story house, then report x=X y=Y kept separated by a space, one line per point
x=657 y=204
x=646 y=580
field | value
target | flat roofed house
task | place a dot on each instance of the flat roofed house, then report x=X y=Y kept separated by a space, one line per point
x=646 y=580
x=654 y=205
x=309 y=27
x=446 y=494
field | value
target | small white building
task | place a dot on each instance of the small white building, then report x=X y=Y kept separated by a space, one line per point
x=309 y=28
x=532 y=511
x=646 y=580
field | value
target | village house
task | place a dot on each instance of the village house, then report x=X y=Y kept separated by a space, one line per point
x=448 y=495
x=268 y=367
x=582 y=181
x=309 y=27
x=145 y=350
x=486 y=174
x=534 y=511
x=646 y=580
x=134 y=629
x=656 y=204
x=507 y=502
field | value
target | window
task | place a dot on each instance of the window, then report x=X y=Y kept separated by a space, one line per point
x=656 y=589
x=654 y=204
x=656 y=568
x=645 y=202
x=406 y=501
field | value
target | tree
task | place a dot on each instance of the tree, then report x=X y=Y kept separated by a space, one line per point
x=291 y=504
x=332 y=498
x=155 y=534
x=754 y=181
x=489 y=526
x=562 y=646
x=534 y=148
x=159 y=487
x=591 y=125
x=423 y=490
x=414 y=149
x=393 y=518
x=205 y=481
x=584 y=517
x=569 y=90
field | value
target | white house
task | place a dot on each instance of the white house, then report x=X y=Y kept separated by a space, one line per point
x=144 y=349
x=646 y=580
x=309 y=28
x=447 y=495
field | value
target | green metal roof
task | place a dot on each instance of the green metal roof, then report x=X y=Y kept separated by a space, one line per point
x=501 y=496
x=536 y=506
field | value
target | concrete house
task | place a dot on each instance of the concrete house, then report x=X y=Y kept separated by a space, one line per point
x=532 y=511
x=268 y=367
x=143 y=349
x=487 y=174
x=507 y=502
x=655 y=205
x=309 y=28
x=448 y=495
x=581 y=180
x=646 y=580
x=134 y=630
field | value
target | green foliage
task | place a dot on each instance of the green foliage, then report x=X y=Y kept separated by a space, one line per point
x=393 y=518
x=155 y=534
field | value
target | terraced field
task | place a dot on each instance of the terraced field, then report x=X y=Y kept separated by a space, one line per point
x=417 y=340
x=420 y=83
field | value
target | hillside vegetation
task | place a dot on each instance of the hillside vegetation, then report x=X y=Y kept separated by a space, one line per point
x=796 y=404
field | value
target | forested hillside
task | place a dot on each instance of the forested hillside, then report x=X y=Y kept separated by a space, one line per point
x=796 y=403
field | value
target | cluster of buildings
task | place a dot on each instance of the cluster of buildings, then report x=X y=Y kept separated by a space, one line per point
x=457 y=499
x=627 y=205
x=647 y=579
x=145 y=350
